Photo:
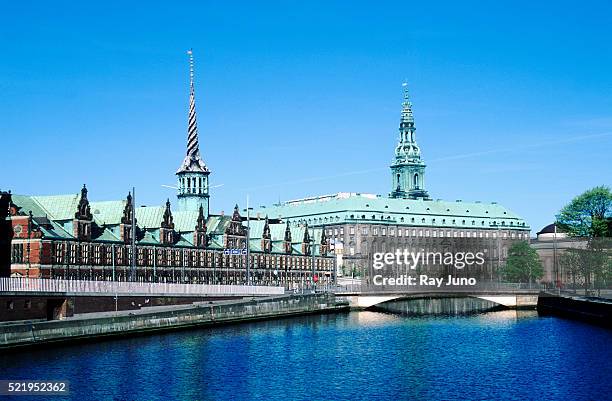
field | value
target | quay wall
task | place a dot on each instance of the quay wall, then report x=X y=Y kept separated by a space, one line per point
x=593 y=310
x=154 y=319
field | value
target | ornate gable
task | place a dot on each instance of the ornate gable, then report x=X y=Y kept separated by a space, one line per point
x=127 y=210
x=166 y=231
x=200 y=238
x=287 y=241
x=167 y=221
x=267 y=234
x=235 y=226
x=266 y=237
x=287 y=233
x=83 y=210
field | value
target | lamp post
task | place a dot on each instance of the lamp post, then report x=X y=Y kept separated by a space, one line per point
x=312 y=252
x=248 y=244
x=556 y=267
x=498 y=250
x=133 y=259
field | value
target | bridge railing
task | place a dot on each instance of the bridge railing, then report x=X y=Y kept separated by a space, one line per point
x=486 y=287
x=24 y=284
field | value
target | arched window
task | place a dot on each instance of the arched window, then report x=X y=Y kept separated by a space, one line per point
x=416 y=181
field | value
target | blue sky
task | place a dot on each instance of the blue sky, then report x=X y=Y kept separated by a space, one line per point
x=512 y=102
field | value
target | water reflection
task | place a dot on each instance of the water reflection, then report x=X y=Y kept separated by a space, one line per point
x=439 y=306
x=504 y=355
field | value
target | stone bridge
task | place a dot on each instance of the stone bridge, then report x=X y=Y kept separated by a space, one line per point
x=512 y=299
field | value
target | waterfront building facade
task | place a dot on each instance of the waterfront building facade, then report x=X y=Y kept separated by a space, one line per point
x=360 y=224
x=550 y=243
x=69 y=236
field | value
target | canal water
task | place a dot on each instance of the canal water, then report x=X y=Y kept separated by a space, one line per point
x=501 y=355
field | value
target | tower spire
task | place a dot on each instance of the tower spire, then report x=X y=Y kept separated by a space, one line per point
x=192 y=174
x=407 y=169
x=193 y=161
x=193 y=148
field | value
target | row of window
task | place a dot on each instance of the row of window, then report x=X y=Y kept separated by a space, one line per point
x=412 y=232
x=413 y=220
x=192 y=184
x=101 y=254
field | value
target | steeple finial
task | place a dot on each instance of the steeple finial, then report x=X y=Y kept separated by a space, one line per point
x=190 y=53
x=407 y=116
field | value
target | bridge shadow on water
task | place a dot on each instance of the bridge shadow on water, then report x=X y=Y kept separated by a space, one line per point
x=430 y=306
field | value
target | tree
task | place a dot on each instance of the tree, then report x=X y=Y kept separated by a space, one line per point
x=523 y=264
x=588 y=215
x=570 y=261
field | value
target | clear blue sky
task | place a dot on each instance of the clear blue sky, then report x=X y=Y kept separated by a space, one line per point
x=513 y=103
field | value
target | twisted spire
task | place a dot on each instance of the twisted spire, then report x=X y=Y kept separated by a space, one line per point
x=193 y=161
x=192 y=131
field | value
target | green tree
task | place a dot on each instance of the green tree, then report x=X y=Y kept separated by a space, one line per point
x=588 y=215
x=523 y=264
x=570 y=261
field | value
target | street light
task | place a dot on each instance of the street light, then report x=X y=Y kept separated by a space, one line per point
x=248 y=245
x=312 y=252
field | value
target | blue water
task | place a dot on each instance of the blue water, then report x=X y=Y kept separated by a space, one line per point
x=356 y=356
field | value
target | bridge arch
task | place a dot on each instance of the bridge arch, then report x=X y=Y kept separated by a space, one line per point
x=365 y=301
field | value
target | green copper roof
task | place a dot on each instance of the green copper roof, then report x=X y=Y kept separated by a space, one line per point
x=27 y=204
x=149 y=216
x=217 y=224
x=373 y=209
x=185 y=241
x=59 y=207
x=185 y=221
x=107 y=235
x=108 y=212
x=149 y=239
